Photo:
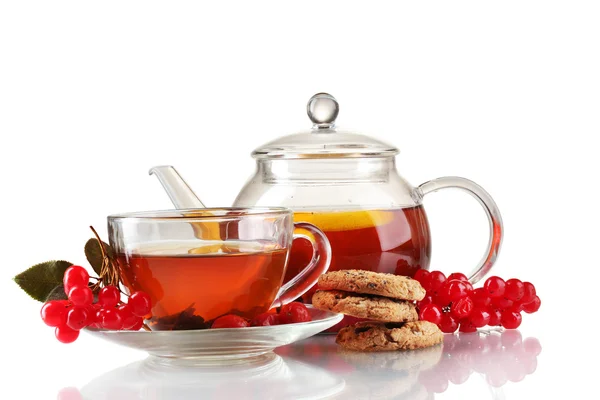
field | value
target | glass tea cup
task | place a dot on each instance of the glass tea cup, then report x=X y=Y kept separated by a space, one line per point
x=200 y=264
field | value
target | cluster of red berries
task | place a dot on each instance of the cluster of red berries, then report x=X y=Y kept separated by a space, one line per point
x=290 y=313
x=79 y=311
x=452 y=303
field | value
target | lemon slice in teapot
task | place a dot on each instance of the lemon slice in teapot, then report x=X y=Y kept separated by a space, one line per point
x=345 y=220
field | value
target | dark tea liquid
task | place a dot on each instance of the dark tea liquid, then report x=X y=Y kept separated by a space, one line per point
x=190 y=290
x=393 y=241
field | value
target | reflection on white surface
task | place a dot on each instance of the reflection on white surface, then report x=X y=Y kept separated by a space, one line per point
x=493 y=357
x=268 y=377
x=499 y=357
x=317 y=368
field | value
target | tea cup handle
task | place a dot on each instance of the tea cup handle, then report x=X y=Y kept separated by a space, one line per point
x=318 y=265
x=494 y=218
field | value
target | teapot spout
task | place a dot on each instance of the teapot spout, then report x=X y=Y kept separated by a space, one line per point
x=178 y=190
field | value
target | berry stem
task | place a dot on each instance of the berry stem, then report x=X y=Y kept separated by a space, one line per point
x=109 y=272
x=99 y=242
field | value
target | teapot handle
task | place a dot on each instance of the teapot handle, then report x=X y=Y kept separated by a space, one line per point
x=494 y=218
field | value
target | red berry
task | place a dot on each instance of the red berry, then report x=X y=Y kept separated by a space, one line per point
x=495 y=286
x=436 y=280
x=462 y=308
x=426 y=300
x=441 y=297
x=54 y=312
x=448 y=324
x=466 y=326
x=140 y=303
x=78 y=318
x=502 y=303
x=511 y=319
x=423 y=277
x=458 y=276
x=265 y=319
x=431 y=313
x=294 y=312
x=81 y=295
x=111 y=319
x=532 y=306
x=514 y=290
x=480 y=297
x=75 y=276
x=138 y=325
x=469 y=286
x=127 y=316
x=455 y=290
x=98 y=317
x=64 y=334
x=92 y=315
x=229 y=321
x=479 y=317
x=109 y=296
x=495 y=316
x=528 y=292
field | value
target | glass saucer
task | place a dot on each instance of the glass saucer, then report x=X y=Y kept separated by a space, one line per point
x=232 y=345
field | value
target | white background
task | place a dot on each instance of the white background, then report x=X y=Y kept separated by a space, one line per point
x=93 y=94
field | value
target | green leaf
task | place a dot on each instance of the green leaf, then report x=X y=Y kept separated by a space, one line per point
x=42 y=279
x=93 y=253
x=58 y=293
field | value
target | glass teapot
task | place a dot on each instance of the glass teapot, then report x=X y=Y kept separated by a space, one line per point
x=346 y=184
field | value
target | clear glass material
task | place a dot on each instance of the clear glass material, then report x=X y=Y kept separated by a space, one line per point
x=347 y=184
x=324 y=140
x=328 y=184
x=219 y=345
x=200 y=264
x=351 y=195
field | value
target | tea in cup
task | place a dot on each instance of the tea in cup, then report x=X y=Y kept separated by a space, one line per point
x=200 y=264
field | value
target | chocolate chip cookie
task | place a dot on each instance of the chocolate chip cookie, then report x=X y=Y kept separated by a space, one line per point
x=365 y=306
x=380 y=336
x=375 y=283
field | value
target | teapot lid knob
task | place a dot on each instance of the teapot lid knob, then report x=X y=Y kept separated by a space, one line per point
x=323 y=109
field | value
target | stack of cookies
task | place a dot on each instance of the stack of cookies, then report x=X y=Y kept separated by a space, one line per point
x=386 y=301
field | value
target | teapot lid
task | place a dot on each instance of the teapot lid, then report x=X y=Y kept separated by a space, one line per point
x=324 y=140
